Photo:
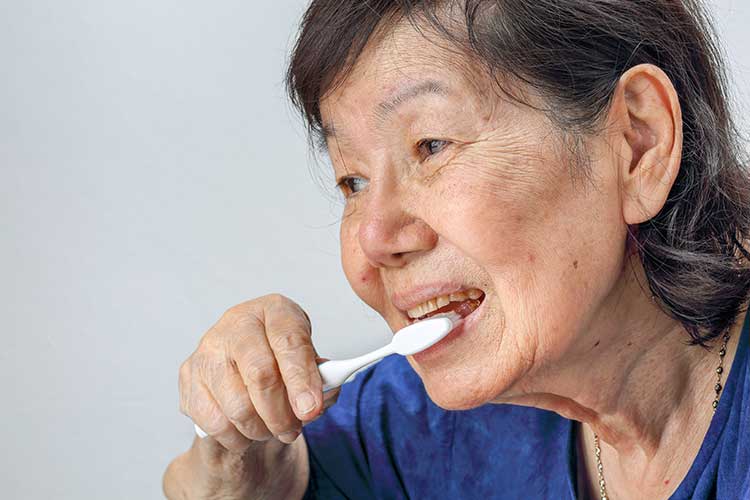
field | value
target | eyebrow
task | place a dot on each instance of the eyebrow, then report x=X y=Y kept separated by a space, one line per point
x=387 y=107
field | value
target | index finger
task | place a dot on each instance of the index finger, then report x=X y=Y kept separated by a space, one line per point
x=289 y=335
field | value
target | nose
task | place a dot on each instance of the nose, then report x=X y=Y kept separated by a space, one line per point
x=389 y=236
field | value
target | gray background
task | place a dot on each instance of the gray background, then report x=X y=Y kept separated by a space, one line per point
x=152 y=174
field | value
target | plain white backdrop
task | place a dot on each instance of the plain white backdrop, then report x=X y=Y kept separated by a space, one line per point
x=152 y=174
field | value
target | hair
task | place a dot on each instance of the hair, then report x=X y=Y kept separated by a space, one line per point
x=572 y=53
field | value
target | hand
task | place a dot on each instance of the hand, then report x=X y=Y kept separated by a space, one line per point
x=254 y=375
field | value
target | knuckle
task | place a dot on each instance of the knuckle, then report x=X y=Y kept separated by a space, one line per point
x=283 y=425
x=255 y=429
x=261 y=437
x=259 y=433
x=214 y=423
x=239 y=318
x=239 y=411
x=276 y=299
x=211 y=371
x=249 y=352
x=219 y=425
x=237 y=309
x=297 y=378
x=277 y=427
x=289 y=340
x=263 y=375
x=229 y=315
x=202 y=365
x=280 y=306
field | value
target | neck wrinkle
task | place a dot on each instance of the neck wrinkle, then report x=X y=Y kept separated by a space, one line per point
x=635 y=387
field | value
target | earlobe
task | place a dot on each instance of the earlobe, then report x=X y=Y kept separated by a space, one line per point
x=653 y=134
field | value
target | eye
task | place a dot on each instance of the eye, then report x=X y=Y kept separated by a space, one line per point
x=429 y=147
x=351 y=185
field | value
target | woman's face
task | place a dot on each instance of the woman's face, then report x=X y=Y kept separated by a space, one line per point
x=452 y=188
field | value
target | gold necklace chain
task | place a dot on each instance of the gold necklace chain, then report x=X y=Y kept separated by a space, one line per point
x=717 y=389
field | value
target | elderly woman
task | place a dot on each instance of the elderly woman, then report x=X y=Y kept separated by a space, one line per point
x=565 y=174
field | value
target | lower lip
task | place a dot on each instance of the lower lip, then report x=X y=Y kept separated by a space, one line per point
x=444 y=345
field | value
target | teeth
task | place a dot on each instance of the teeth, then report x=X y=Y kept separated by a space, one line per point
x=437 y=302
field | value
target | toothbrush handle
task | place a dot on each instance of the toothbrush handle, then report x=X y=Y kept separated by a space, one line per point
x=334 y=373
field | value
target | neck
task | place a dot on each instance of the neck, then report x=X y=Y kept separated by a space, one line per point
x=635 y=382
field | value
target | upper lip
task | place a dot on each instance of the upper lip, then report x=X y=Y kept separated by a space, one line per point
x=409 y=299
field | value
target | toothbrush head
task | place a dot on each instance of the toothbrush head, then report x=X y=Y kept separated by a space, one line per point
x=423 y=334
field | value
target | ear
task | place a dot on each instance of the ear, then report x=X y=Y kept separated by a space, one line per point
x=649 y=110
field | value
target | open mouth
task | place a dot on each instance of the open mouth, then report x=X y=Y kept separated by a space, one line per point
x=462 y=303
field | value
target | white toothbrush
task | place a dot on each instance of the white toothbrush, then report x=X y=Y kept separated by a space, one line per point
x=409 y=340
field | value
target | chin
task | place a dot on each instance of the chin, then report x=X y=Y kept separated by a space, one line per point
x=464 y=370
x=458 y=398
x=454 y=388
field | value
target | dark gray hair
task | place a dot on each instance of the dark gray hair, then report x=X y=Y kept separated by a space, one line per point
x=572 y=53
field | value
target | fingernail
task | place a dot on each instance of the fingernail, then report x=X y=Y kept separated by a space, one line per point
x=288 y=437
x=305 y=403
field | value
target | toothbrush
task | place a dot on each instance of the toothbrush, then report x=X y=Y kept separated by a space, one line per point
x=409 y=340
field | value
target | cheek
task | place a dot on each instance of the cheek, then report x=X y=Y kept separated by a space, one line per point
x=362 y=277
x=497 y=216
x=551 y=249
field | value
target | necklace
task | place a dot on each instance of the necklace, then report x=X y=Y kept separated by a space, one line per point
x=717 y=389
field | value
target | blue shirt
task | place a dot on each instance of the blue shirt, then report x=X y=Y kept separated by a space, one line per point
x=385 y=438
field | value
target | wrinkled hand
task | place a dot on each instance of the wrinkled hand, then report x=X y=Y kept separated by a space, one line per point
x=254 y=375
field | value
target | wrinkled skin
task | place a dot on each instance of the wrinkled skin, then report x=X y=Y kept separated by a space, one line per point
x=448 y=182
x=494 y=209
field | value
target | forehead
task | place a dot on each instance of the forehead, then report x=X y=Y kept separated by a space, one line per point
x=400 y=63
